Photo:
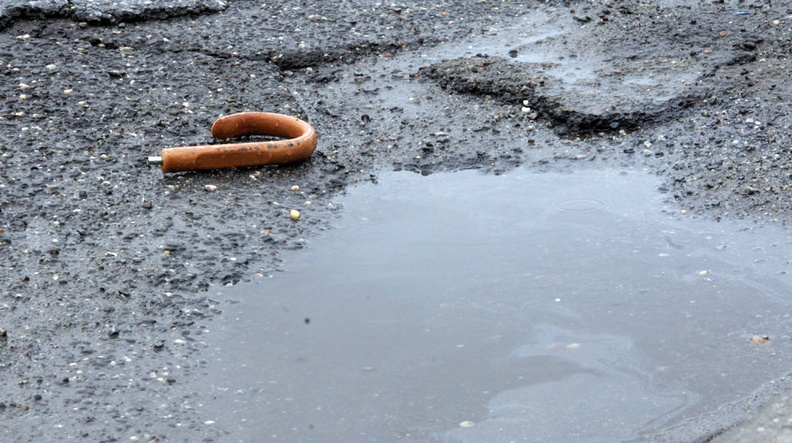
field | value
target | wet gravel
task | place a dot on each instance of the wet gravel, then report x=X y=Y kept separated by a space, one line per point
x=106 y=262
x=104 y=11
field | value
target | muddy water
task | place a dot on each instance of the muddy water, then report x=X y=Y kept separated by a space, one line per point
x=529 y=306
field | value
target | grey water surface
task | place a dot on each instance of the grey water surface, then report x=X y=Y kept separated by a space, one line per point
x=523 y=307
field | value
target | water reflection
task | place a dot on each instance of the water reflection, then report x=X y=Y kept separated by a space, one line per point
x=571 y=378
x=465 y=307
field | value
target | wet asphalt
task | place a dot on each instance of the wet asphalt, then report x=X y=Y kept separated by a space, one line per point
x=106 y=261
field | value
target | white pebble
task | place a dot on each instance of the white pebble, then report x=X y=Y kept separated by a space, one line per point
x=294 y=214
x=467 y=424
x=210 y=188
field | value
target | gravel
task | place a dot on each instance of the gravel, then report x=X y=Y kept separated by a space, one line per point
x=108 y=264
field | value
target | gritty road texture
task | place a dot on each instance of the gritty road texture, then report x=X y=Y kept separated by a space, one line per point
x=771 y=424
x=106 y=262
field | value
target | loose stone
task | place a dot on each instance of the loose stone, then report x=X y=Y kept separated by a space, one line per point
x=760 y=340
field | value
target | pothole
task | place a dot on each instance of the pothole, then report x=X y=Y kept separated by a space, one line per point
x=547 y=63
x=466 y=307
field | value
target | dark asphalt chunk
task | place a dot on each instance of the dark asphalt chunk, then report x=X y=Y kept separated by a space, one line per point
x=104 y=11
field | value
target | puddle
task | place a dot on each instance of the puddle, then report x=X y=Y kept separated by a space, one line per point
x=470 y=307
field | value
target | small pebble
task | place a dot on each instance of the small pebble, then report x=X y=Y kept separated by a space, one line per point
x=210 y=188
x=467 y=424
x=760 y=340
x=295 y=188
x=705 y=272
x=294 y=214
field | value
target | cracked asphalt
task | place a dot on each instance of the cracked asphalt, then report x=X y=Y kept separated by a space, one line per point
x=106 y=262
